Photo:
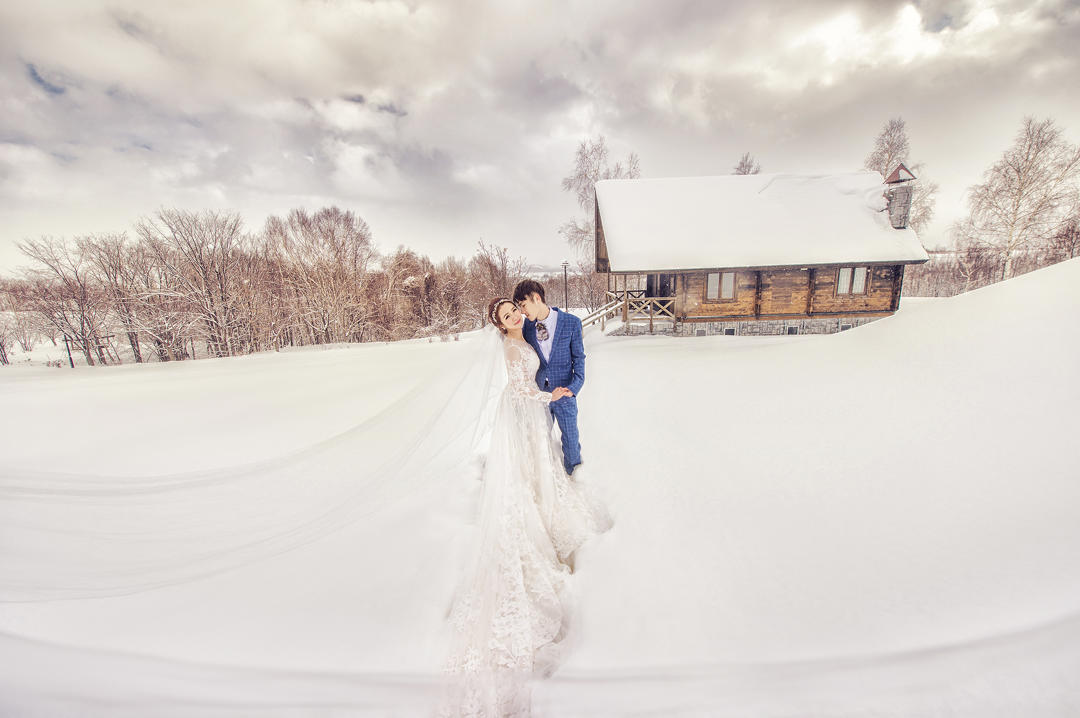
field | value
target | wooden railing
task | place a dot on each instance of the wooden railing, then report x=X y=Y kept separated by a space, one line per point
x=622 y=293
x=604 y=313
x=634 y=307
x=649 y=309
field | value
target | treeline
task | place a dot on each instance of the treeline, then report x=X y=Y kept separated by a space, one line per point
x=191 y=282
x=974 y=265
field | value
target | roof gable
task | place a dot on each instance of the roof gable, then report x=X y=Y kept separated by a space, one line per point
x=900 y=174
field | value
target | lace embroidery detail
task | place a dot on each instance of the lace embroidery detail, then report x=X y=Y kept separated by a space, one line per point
x=521 y=366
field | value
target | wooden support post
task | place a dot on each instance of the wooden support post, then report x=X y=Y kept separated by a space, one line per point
x=680 y=286
x=757 y=295
x=898 y=285
x=810 y=293
x=625 y=305
x=651 y=304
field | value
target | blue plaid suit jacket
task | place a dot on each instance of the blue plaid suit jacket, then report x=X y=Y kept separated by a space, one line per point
x=566 y=366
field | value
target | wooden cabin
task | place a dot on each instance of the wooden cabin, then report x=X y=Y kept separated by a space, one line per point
x=754 y=254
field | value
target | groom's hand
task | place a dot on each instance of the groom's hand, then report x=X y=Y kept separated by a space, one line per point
x=560 y=392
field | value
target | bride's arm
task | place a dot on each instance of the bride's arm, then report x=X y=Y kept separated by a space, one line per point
x=517 y=370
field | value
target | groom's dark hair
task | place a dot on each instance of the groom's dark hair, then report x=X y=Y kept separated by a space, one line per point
x=526 y=287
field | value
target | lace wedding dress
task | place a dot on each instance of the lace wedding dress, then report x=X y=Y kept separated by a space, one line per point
x=512 y=613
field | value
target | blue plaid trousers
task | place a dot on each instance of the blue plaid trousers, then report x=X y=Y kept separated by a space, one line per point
x=565 y=412
x=565 y=367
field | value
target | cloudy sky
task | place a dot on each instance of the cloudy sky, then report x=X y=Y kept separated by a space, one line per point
x=443 y=123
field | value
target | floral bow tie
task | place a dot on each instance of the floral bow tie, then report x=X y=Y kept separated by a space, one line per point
x=541 y=332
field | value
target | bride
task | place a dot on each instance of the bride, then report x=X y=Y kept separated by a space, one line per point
x=512 y=613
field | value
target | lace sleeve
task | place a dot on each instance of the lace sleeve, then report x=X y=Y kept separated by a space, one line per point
x=520 y=380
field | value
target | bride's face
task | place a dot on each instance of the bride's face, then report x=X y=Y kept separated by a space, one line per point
x=510 y=316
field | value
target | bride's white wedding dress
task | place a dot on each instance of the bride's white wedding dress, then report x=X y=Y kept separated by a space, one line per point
x=512 y=612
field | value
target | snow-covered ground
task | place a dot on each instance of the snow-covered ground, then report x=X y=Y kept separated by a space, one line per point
x=882 y=522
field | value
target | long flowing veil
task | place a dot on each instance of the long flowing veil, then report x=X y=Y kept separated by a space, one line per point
x=513 y=610
x=70 y=536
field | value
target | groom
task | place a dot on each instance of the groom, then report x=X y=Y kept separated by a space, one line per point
x=556 y=337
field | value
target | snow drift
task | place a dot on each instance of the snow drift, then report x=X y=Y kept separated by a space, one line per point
x=880 y=522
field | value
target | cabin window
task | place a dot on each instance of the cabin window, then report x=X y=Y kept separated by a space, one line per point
x=720 y=285
x=727 y=285
x=792 y=330
x=858 y=280
x=851 y=280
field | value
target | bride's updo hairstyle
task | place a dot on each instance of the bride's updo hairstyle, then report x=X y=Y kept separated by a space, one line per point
x=493 y=309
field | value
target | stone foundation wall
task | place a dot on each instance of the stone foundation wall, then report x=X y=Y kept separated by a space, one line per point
x=758 y=327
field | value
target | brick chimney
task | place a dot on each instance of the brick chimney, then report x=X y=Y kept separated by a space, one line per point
x=900 y=185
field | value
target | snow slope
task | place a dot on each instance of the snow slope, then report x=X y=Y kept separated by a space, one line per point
x=883 y=522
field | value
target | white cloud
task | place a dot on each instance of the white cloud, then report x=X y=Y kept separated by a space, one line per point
x=439 y=122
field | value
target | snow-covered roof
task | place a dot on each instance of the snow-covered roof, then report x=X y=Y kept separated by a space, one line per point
x=758 y=220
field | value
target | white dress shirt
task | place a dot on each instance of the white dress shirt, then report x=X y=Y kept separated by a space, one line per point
x=549 y=323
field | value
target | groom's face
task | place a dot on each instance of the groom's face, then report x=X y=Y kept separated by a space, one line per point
x=532 y=306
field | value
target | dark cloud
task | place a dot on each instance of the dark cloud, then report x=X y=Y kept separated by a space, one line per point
x=50 y=87
x=391 y=108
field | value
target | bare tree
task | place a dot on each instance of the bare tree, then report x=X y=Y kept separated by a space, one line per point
x=588 y=288
x=326 y=256
x=891 y=147
x=61 y=289
x=591 y=164
x=1065 y=244
x=923 y=199
x=6 y=336
x=1027 y=196
x=974 y=263
x=198 y=251
x=493 y=272
x=111 y=267
x=747 y=165
x=450 y=308
x=401 y=293
x=23 y=325
x=161 y=311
